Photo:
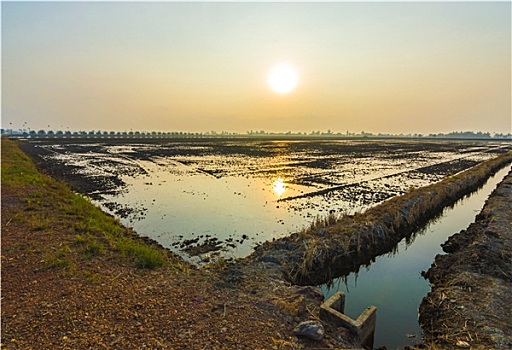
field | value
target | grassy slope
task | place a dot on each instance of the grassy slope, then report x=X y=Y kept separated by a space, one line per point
x=49 y=204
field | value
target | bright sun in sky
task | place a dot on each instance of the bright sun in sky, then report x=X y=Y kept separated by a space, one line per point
x=282 y=78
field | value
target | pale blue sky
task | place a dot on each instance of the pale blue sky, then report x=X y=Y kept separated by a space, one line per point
x=372 y=66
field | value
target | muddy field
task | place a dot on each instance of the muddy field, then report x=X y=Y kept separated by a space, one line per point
x=209 y=197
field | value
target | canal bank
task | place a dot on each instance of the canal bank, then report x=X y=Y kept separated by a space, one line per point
x=469 y=305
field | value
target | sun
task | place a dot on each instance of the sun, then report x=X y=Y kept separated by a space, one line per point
x=283 y=78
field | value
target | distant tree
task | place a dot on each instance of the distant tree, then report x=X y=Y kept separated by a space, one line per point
x=501 y=136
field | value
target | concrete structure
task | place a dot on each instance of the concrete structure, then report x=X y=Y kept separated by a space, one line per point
x=363 y=328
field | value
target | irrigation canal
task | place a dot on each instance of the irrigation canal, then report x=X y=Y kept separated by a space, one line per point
x=393 y=282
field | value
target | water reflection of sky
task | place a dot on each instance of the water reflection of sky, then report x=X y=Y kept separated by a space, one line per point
x=181 y=204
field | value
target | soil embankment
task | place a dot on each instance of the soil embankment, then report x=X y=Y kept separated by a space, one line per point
x=470 y=303
x=334 y=246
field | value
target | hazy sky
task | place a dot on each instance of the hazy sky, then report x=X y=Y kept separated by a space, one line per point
x=189 y=66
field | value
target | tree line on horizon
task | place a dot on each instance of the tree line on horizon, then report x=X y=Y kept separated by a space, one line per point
x=260 y=133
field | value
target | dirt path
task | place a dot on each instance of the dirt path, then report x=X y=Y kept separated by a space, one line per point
x=470 y=303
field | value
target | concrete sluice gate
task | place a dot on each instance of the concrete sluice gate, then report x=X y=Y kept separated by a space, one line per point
x=363 y=328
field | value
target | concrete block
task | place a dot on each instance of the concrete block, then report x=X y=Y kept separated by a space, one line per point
x=363 y=328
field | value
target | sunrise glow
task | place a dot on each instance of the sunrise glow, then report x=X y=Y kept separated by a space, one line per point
x=283 y=78
x=303 y=67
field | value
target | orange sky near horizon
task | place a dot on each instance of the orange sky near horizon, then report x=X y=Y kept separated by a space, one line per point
x=374 y=67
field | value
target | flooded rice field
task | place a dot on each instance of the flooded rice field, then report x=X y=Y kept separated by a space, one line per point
x=206 y=198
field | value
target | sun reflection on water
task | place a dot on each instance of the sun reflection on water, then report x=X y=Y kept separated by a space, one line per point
x=279 y=186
